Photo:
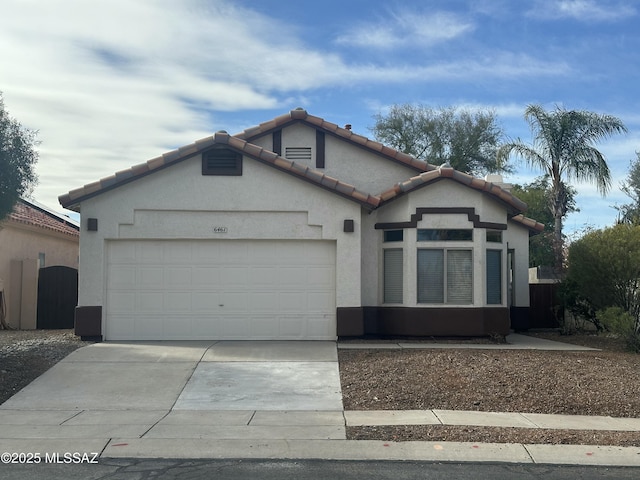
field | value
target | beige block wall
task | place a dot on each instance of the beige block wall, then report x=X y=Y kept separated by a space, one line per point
x=20 y=249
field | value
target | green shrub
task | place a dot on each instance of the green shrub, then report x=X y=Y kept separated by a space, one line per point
x=621 y=322
x=604 y=271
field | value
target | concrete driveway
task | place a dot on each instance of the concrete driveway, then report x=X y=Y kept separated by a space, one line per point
x=159 y=391
x=189 y=376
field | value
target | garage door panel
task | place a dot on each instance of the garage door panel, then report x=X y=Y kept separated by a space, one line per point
x=265 y=301
x=291 y=327
x=150 y=277
x=205 y=302
x=203 y=327
x=318 y=327
x=262 y=328
x=316 y=301
x=122 y=253
x=178 y=301
x=177 y=327
x=232 y=275
x=321 y=276
x=181 y=289
x=235 y=327
x=179 y=277
x=234 y=302
x=206 y=252
x=150 y=302
x=202 y=276
x=293 y=277
x=292 y=301
x=120 y=327
x=148 y=325
x=121 y=276
x=177 y=253
x=233 y=253
x=122 y=303
x=263 y=276
x=151 y=252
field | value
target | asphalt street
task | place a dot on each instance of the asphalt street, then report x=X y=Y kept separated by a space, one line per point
x=143 y=469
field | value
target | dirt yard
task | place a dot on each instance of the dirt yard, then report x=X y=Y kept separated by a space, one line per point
x=573 y=383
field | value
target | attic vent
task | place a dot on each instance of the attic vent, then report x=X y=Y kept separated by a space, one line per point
x=298 y=153
x=221 y=161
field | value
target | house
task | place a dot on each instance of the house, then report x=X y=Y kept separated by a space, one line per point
x=32 y=237
x=297 y=229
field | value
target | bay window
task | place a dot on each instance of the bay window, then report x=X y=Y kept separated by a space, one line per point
x=445 y=276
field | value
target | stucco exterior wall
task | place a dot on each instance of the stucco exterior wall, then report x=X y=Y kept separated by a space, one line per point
x=344 y=161
x=179 y=202
x=517 y=239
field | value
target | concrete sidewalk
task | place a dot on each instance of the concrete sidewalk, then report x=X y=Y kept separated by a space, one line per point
x=295 y=435
x=150 y=400
x=514 y=341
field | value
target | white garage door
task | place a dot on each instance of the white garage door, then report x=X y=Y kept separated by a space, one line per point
x=224 y=289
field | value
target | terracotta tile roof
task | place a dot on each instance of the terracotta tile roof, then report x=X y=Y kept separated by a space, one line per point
x=72 y=199
x=241 y=143
x=27 y=213
x=444 y=171
x=301 y=115
x=530 y=223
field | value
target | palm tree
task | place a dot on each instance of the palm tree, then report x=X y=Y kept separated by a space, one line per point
x=563 y=149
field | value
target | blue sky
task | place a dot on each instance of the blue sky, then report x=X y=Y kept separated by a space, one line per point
x=109 y=84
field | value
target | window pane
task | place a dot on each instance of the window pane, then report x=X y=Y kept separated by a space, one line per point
x=459 y=277
x=393 y=275
x=447 y=234
x=430 y=276
x=393 y=235
x=428 y=235
x=464 y=235
x=494 y=277
x=494 y=236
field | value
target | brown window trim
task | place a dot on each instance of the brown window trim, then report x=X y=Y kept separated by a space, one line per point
x=319 y=149
x=420 y=211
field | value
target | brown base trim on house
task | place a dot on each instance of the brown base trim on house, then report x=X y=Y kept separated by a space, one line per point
x=350 y=321
x=520 y=318
x=422 y=322
x=88 y=323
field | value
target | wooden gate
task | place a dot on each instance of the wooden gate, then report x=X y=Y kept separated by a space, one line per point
x=57 y=297
x=545 y=310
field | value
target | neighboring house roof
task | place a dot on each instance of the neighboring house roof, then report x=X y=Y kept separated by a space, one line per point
x=241 y=143
x=37 y=215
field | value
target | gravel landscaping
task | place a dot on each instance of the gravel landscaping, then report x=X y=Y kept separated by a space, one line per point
x=574 y=383
x=27 y=354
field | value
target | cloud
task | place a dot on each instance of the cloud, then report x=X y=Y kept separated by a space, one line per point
x=111 y=84
x=582 y=10
x=406 y=28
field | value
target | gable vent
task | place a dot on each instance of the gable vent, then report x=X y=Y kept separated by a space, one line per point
x=298 y=153
x=221 y=161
